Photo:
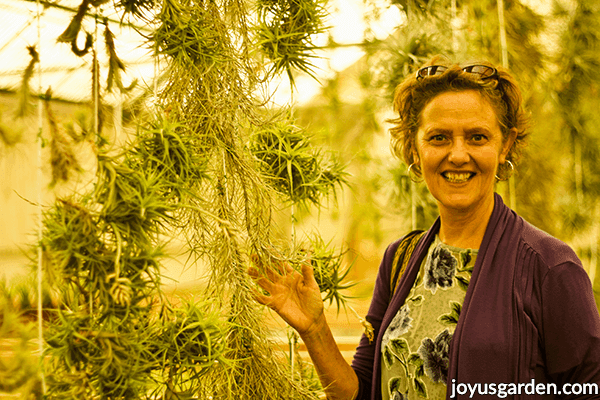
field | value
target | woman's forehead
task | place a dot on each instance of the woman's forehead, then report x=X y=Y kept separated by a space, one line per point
x=465 y=107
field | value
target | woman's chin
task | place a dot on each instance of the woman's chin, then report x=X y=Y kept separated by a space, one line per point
x=463 y=202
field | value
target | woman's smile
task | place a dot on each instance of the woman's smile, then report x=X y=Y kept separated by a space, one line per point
x=457 y=177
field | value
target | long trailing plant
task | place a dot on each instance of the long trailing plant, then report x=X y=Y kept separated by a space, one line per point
x=210 y=90
x=190 y=173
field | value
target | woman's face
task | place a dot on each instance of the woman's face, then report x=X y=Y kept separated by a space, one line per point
x=459 y=146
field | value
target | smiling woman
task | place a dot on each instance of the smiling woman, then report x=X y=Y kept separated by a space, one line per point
x=482 y=296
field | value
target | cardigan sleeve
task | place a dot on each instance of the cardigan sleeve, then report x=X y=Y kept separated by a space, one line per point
x=571 y=328
x=365 y=352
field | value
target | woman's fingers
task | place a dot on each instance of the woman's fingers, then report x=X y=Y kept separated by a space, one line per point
x=261 y=298
x=274 y=271
x=261 y=280
x=308 y=272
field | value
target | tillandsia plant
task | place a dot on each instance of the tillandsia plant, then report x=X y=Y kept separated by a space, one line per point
x=102 y=250
x=62 y=156
x=293 y=166
x=210 y=87
x=286 y=32
x=330 y=273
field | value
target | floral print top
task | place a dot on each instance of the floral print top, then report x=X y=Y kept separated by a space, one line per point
x=415 y=345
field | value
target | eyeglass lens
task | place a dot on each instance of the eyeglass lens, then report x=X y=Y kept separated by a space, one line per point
x=482 y=70
x=432 y=70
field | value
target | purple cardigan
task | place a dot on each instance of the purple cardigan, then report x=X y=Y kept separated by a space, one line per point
x=533 y=314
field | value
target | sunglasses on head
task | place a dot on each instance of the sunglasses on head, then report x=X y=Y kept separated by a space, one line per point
x=481 y=71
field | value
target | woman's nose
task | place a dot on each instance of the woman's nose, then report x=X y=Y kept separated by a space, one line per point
x=458 y=152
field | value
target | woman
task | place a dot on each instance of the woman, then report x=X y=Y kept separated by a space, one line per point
x=487 y=304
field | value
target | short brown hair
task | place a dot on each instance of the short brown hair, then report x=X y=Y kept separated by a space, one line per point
x=412 y=95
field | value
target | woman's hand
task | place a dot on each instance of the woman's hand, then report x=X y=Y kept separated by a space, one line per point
x=295 y=297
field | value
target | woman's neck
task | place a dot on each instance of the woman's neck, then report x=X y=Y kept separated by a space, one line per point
x=465 y=228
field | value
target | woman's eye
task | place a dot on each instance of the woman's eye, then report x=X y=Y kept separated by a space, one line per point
x=478 y=138
x=438 y=138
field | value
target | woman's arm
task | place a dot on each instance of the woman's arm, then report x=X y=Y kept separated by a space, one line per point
x=336 y=375
x=571 y=328
x=297 y=299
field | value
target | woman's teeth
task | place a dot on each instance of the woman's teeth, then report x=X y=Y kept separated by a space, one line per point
x=457 y=177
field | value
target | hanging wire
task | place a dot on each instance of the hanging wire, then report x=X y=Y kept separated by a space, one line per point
x=292 y=334
x=39 y=205
x=512 y=188
x=96 y=77
x=155 y=78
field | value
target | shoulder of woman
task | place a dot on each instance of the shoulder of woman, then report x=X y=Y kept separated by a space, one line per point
x=552 y=251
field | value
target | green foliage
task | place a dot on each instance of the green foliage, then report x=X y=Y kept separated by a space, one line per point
x=329 y=271
x=115 y=65
x=286 y=31
x=293 y=166
x=173 y=153
x=24 y=95
x=408 y=48
x=186 y=34
x=103 y=251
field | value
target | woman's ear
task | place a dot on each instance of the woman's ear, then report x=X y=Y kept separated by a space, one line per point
x=508 y=144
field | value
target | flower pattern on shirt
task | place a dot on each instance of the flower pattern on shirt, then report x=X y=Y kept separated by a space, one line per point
x=440 y=269
x=399 y=325
x=435 y=356
x=398 y=396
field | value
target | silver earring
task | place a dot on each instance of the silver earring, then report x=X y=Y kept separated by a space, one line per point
x=512 y=171
x=410 y=176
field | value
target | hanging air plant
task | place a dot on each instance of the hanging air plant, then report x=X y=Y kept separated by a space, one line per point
x=62 y=156
x=329 y=271
x=174 y=153
x=24 y=92
x=293 y=166
x=188 y=175
x=186 y=33
x=191 y=342
x=286 y=32
x=103 y=250
x=72 y=31
x=115 y=65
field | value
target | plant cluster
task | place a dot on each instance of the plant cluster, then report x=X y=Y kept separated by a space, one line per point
x=115 y=335
x=286 y=32
x=329 y=271
x=293 y=166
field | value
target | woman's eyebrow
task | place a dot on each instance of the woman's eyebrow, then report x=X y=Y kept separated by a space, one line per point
x=476 y=130
x=438 y=131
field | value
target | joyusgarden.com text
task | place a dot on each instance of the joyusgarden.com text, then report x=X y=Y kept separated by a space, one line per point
x=502 y=390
